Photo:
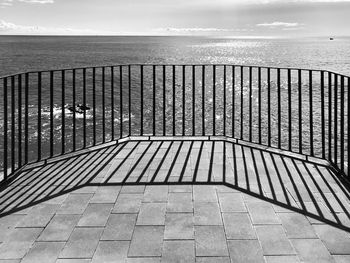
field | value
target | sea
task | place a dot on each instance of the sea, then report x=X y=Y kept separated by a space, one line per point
x=31 y=53
x=34 y=53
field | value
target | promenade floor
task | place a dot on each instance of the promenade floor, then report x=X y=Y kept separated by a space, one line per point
x=176 y=201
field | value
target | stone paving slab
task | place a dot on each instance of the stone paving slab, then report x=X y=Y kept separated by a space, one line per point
x=248 y=222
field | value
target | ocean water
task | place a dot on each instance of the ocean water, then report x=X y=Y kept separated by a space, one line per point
x=26 y=53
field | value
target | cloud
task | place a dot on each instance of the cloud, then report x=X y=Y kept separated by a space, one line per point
x=11 y=28
x=192 y=29
x=4 y=3
x=199 y=29
x=37 y=1
x=279 y=25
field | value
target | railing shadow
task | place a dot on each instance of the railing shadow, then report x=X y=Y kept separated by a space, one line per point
x=290 y=184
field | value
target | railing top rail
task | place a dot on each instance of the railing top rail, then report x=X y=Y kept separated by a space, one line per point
x=169 y=65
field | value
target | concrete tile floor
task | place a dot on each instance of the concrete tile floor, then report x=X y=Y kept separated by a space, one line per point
x=56 y=214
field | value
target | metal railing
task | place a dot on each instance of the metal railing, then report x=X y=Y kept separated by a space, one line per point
x=51 y=113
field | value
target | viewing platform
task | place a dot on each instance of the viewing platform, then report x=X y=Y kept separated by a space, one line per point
x=175 y=163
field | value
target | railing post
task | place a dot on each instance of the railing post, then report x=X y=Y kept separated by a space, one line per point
x=141 y=129
x=214 y=100
x=233 y=100
x=39 y=116
x=311 y=114
x=174 y=97
x=164 y=100
x=112 y=102
x=154 y=99
x=51 y=114
x=323 y=135
x=5 y=130
x=279 y=108
x=13 y=125
x=84 y=114
x=26 y=114
x=250 y=104
x=74 y=114
x=329 y=116
x=259 y=103
x=336 y=120
x=129 y=93
x=242 y=83
x=121 y=101
x=342 y=128
x=300 y=97
x=348 y=131
x=289 y=111
x=183 y=98
x=269 y=107
x=94 y=103
x=203 y=100
x=19 y=120
x=224 y=117
x=103 y=107
x=193 y=100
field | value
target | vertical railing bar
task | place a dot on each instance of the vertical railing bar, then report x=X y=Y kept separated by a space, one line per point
x=141 y=128
x=233 y=101
x=174 y=101
x=103 y=106
x=242 y=83
x=164 y=100
x=5 y=130
x=13 y=127
x=39 y=116
x=348 y=125
x=250 y=104
x=224 y=118
x=203 y=100
x=26 y=114
x=154 y=100
x=329 y=116
x=193 y=100
x=279 y=108
x=63 y=134
x=259 y=103
x=51 y=113
x=19 y=120
x=300 y=105
x=323 y=117
x=269 y=107
x=74 y=114
x=311 y=115
x=336 y=119
x=112 y=103
x=84 y=103
x=121 y=101
x=214 y=100
x=94 y=103
x=129 y=106
x=342 y=123
x=289 y=110
x=183 y=98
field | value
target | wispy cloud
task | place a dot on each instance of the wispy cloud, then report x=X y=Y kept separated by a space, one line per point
x=197 y=30
x=37 y=1
x=192 y=29
x=11 y=28
x=279 y=24
x=4 y=3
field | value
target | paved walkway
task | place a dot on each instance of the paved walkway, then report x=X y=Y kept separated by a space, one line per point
x=271 y=208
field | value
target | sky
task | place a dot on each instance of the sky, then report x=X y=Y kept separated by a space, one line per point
x=246 y=18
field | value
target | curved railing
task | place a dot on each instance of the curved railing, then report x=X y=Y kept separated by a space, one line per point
x=298 y=110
